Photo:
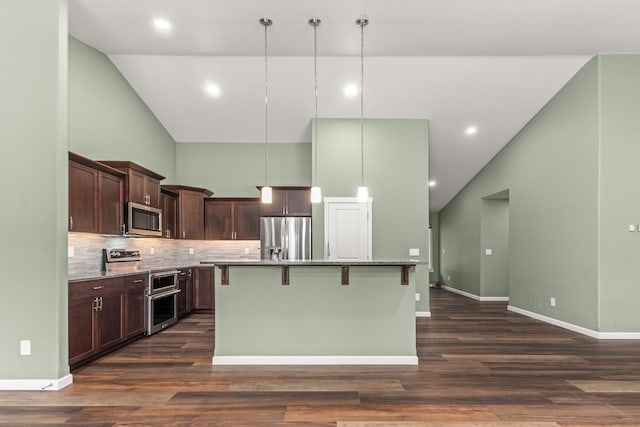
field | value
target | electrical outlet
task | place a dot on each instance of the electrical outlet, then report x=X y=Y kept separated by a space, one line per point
x=417 y=296
x=552 y=301
x=414 y=252
x=152 y=251
x=190 y=251
x=246 y=251
x=25 y=347
x=633 y=228
x=448 y=277
x=488 y=252
x=71 y=251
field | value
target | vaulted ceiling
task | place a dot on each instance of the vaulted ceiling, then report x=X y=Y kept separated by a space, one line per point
x=490 y=64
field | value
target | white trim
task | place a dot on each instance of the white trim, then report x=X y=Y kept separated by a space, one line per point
x=489 y=299
x=619 y=335
x=423 y=314
x=555 y=322
x=315 y=360
x=45 y=385
x=473 y=296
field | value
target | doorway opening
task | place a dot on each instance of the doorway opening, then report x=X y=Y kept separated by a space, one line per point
x=494 y=243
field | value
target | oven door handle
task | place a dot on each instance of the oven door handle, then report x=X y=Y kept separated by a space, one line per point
x=164 y=294
x=163 y=274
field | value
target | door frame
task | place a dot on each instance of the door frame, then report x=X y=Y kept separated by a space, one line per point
x=336 y=200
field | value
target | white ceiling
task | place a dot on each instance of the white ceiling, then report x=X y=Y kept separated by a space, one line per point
x=489 y=63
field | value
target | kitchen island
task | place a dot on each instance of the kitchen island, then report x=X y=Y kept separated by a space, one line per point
x=314 y=312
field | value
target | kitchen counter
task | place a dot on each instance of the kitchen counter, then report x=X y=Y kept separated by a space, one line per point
x=83 y=277
x=315 y=312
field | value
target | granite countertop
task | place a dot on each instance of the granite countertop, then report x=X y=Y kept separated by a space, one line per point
x=319 y=262
x=83 y=277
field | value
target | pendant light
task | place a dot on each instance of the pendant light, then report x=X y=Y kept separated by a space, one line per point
x=363 y=191
x=266 y=193
x=316 y=192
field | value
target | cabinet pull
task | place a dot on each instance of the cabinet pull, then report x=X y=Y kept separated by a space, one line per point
x=122 y=228
x=71 y=223
x=95 y=288
x=137 y=281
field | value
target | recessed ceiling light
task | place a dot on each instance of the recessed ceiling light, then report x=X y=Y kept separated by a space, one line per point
x=432 y=183
x=212 y=89
x=351 y=90
x=162 y=24
x=471 y=130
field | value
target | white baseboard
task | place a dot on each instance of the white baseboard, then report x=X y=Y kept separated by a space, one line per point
x=475 y=297
x=49 y=385
x=423 y=314
x=575 y=328
x=315 y=360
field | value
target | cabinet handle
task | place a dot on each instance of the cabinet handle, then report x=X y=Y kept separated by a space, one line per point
x=71 y=223
x=137 y=281
x=122 y=227
x=95 y=288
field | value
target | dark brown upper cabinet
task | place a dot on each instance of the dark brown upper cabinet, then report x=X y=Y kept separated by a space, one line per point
x=95 y=196
x=169 y=205
x=288 y=201
x=189 y=210
x=232 y=218
x=142 y=185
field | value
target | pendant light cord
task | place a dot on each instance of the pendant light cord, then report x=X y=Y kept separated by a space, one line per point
x=362 y=22
x=315 y=22
x=266 y=22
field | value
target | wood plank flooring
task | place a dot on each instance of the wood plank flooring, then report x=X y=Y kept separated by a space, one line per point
x=480 y=365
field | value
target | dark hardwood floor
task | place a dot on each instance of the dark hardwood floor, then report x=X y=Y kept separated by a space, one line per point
x=480 y=365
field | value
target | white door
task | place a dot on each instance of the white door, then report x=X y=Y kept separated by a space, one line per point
x=347 y=229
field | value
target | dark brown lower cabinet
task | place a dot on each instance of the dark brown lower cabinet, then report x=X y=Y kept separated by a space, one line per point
x=204 y=288
x=134 y=304
x=185 y=297
x=96 y=317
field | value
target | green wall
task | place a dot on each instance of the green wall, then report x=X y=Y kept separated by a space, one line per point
x=434 y=220
x=108 y=120
x=234 y=170
x=33 y=188
x=396 y=158
x=494 y=235
x=551 y=171
x=619 y=200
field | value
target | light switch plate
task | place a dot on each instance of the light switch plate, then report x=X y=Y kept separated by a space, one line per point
x=25 y=347
x=190 y=251
x=632 y=228
x=414 y=252
x=71 y=251
x=488 y=252
x=152 y=251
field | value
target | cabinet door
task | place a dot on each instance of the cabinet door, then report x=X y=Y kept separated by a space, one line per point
x=247 y=220
x=111 y=204
x=190 y=294
x=83 y=198
x=218 y=220
x=191 y=216
x=182 y=297
x=168 y=204
x=276 y=207
x=152 y=189
x=82 y=327
x=137 y=190
x=298 y=203
x=134 y=305
x=111 y=315
x=204 y=289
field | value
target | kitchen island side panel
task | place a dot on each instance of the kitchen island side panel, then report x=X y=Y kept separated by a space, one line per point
x=315 y=315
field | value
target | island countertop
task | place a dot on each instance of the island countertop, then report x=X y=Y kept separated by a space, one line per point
x=314 y=263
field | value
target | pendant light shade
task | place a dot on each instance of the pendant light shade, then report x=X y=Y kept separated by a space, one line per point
x=363 y=191
x=316 y=192
x=266 y=193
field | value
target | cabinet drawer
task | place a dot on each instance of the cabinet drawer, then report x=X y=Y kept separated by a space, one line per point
x=95 y=287
x=139 y=281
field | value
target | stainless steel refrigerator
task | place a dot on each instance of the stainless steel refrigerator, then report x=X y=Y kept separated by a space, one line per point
x=285 y=238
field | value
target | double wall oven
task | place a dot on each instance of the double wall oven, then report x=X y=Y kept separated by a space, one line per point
x=162 y=300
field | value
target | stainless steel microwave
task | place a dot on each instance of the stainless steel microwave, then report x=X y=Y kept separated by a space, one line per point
x=142 y=220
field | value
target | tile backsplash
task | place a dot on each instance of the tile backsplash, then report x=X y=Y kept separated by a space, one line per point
x=87 y=251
